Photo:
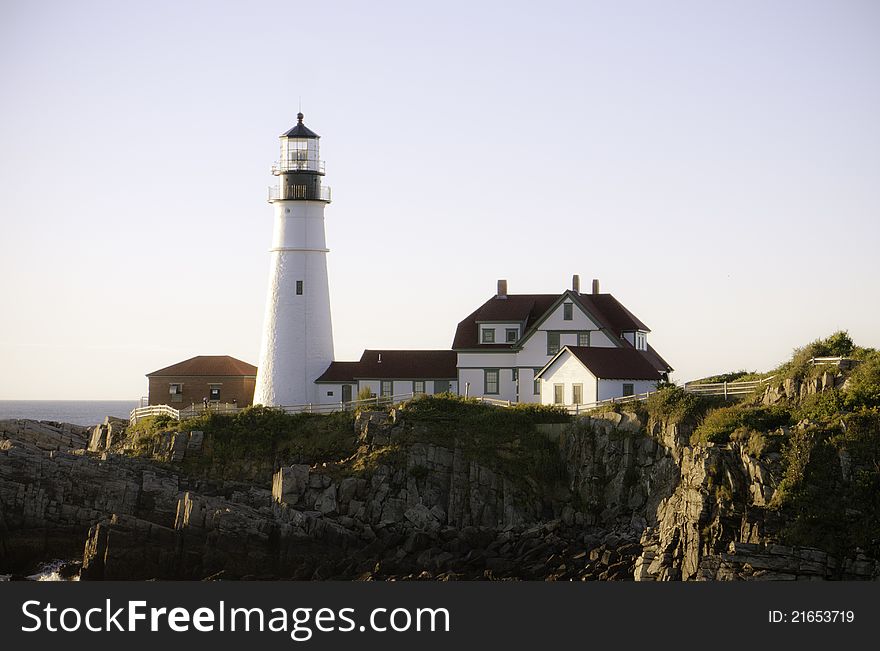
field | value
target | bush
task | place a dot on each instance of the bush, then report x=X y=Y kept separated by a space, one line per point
x=677 y=405
x=720 y=424
x=799 y=366
x=863 y=389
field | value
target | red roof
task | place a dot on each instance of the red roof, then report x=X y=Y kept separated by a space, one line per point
x=394 y=365
x=613 y=363
x=222 y=365
x=531 y=308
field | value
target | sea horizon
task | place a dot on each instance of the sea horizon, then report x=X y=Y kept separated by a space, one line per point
x=76 y=412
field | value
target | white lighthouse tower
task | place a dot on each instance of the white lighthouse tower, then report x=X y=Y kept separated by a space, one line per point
x=297 y=343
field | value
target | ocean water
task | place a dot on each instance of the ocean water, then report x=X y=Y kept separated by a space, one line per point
x=78 y=412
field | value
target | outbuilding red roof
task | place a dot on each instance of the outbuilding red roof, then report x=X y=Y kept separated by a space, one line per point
x=223 y=365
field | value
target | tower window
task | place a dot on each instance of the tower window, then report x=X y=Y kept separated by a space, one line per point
x=299 y=287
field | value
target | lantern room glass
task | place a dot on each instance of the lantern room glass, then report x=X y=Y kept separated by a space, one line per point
x=299 y=154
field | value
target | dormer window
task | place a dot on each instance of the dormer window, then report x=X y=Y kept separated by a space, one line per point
x=512 y=334
x=487 y=335
x=641 y=341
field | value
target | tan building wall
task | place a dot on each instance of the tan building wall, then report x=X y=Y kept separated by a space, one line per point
x=194 y=389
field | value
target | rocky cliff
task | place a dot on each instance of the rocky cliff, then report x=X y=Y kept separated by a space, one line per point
x=631 y=495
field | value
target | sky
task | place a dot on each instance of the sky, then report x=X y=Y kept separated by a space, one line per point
x=716 y=165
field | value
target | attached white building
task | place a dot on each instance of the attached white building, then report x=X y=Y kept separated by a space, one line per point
x=389 y=373
x=505 y=344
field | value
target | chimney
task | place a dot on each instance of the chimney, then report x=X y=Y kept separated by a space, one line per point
x=502 y=289
x=576 y=284
x=595 y=285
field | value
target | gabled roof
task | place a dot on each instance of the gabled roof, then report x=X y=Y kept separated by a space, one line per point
x=300 y=130
x=208 y=365
x=531 y=309
x=394 y=365
x=609 y=363
x=612 y=311
x=515 y=308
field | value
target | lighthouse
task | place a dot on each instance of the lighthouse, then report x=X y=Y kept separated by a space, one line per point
x=297 y=343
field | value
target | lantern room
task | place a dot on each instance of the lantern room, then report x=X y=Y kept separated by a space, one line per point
x=299 y=150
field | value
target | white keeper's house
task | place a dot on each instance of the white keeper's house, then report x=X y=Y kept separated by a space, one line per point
x=568 y=348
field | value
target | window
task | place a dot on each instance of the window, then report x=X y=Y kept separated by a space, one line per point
x=552 y=342
x=490 y=381
x=558 y=394
x=330 y=393
x=628 y=390
x=512 y=335
x=584 y=338
x=536 y=383
x=641 y=341
x=176 y=391
x=387 y=388
x=297 y=191
x=441 y=386
x=514 y=374
x=488 y=336
x=214 y=393
x=299 y=287
x=577 y=394
x=567 y=311
x=418 y=387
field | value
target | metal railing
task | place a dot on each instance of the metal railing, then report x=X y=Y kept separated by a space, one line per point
x=311 y=165
x=278 y=193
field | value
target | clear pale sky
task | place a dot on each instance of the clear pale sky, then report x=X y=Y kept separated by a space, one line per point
x=715 y=164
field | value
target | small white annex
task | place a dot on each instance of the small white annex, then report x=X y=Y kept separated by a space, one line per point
x=580 y=375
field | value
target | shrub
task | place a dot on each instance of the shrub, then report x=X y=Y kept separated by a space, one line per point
x=799 y=366
x=719 y=424
x=675 y=404
x=863 y=388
